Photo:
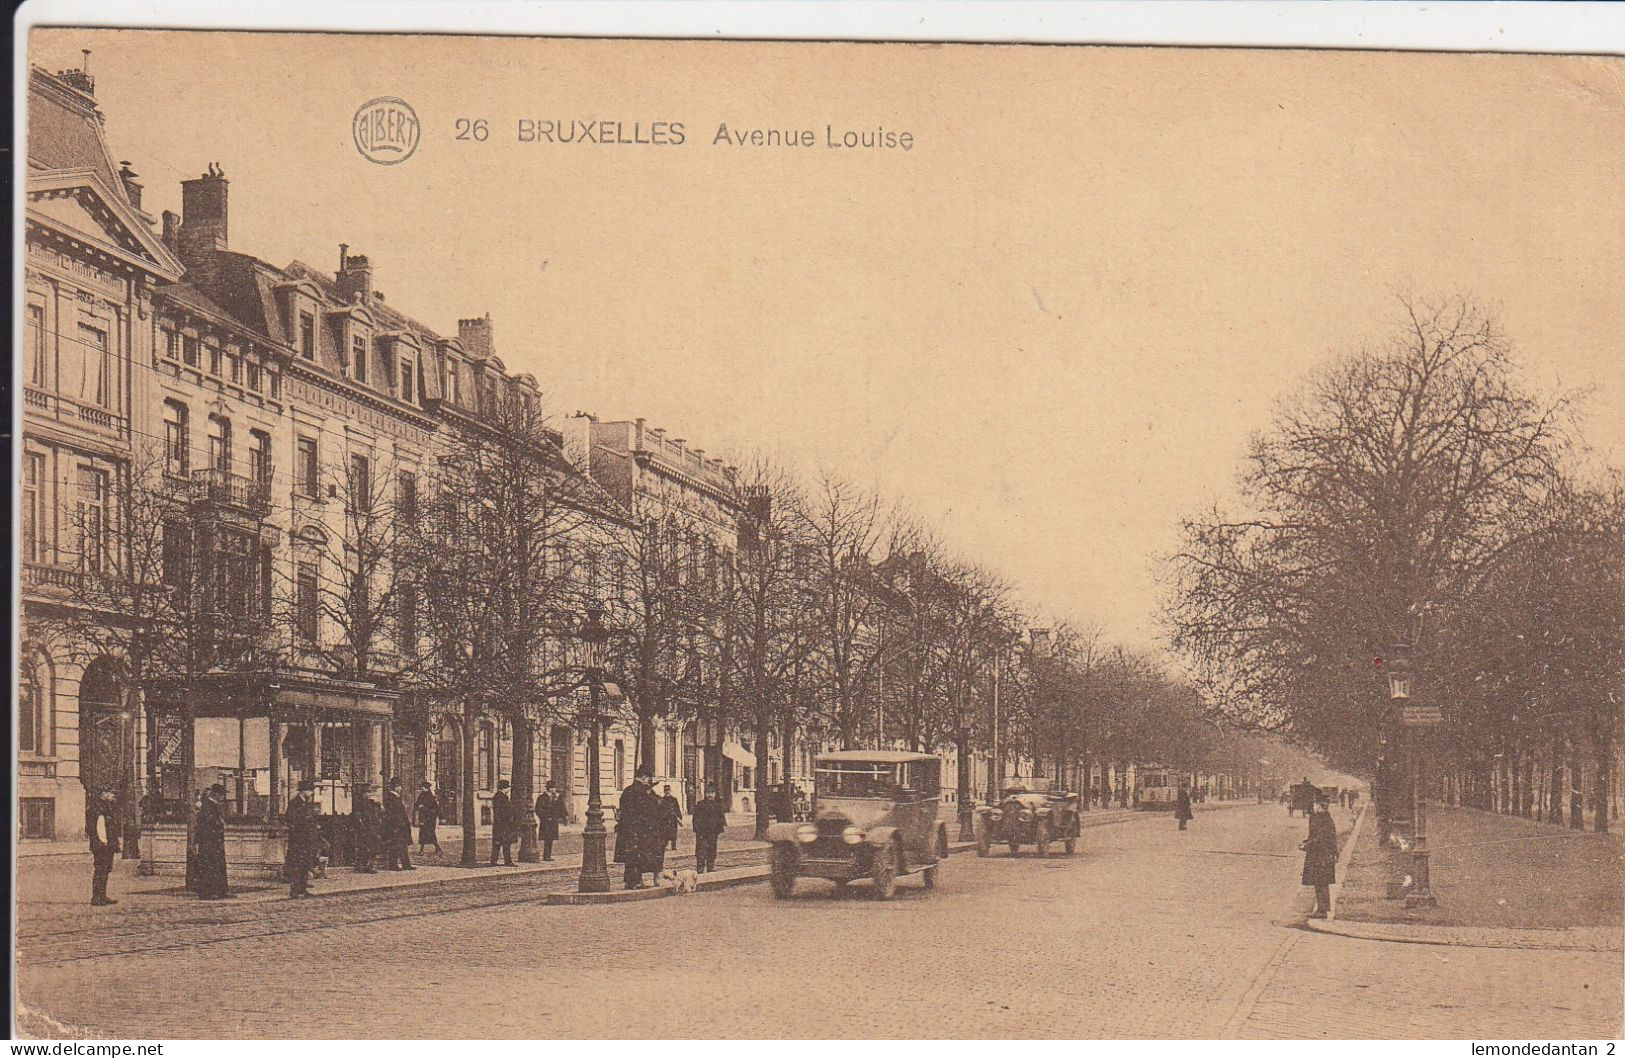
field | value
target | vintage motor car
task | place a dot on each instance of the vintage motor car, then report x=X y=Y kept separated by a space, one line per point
x=874 y=817
x=1031 y=813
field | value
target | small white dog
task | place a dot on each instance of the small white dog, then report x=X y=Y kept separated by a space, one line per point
x=684 y=881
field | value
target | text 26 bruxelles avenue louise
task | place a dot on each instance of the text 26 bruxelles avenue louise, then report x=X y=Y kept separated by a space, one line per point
x=676 y=134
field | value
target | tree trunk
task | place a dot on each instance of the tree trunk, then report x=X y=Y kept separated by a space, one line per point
x=470 y=856
x=1576 y=781
x=1602 y=793
x=1555 y=789
x=1526 y=806
x=787 y=754
x=189 y=766
x=764 y=725
x=524 y=786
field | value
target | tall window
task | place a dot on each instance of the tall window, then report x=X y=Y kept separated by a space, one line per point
x=407 y=376
x=259 y=457
x=235 y=365
x=406 y=618
x=189 y=351
x=305 y=601
x=308 y=467
x=35 y=701
x=35 y=520
x=177 y=444
x=96 y=386
x=34 y=342
x=488 y=756
x=92 y=518
x=406 y=499
x=172 y=344
x=358 y=352
x=220 y=443
x=214 y=360
x=451 y=381
x=256 y=376
x=307 y=336
x=177 y=555
x=360 y=484
x=620 y=764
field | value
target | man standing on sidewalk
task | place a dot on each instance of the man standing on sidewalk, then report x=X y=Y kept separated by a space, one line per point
x=549 y=814
x=640 y=818
x=397 y=830
x=304 y=838
x=210 y=833
x=502 y=825
x=102 y=829
x=710 y=820
x=673 y=810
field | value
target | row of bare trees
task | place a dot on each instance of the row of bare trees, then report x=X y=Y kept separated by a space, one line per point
x=1421 y=491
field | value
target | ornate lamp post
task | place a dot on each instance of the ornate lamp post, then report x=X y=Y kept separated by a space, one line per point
x=594 y=871
x=1399 y=693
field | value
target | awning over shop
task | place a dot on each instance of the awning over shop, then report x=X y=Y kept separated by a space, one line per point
x=291 y=702
x=738 y=754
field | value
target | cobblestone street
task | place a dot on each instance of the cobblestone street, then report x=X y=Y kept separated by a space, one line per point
x=1148 y=932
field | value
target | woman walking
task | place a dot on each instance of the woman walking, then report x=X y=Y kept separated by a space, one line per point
x=1320 y=855
x=427 y=810
x=1182 y=806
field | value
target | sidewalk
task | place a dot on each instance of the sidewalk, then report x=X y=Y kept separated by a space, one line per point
x=1501 y=882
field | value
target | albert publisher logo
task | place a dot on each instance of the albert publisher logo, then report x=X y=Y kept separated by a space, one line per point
x=386 y=130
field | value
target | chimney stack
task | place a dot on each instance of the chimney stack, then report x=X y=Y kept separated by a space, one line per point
x=204 y=225
x=354 y=276
x=132 y=186
x=476 y=336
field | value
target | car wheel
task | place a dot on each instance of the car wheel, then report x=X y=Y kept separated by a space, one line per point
x=842 y=888
x=1071 y=846
x=942 y=843
x=783 y=877
x=984 y=844
x=1015 y=848
x=1043 y=838
x=930 y=877
x=885 y=873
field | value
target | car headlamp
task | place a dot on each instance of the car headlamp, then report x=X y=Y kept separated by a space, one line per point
x=1026 y=815
x=806 y=833
x=995 y=815
x=852 y=835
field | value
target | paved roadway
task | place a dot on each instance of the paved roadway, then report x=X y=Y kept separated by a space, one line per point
x=1148 y=932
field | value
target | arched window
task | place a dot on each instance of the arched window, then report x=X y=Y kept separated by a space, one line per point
x=36 y=706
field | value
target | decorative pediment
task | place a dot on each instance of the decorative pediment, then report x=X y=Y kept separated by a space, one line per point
x=76 y=203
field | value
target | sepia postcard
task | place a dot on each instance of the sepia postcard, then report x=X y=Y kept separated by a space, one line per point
x=560 y=537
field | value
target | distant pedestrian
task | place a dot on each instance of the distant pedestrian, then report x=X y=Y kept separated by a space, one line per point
x=427 y=810
x=1320 y=855
x=101 y=828
x=365 y=819
x=1182 y=806
x=397 y=830
x=503 y=831
x=210 y=832
x=304 y=839
x=673 y=810
x=549 y=814
x=710 y=820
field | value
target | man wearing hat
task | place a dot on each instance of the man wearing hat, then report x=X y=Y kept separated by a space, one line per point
x=101 y=827
x=502 y=824
x=1320 y=854
x=549 y=814
x=210 y=832
x=304 y=838
x=397 y=830
x=643 y=820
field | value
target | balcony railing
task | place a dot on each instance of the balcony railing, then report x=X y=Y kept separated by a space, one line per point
x=45 y=575
x=225 y=489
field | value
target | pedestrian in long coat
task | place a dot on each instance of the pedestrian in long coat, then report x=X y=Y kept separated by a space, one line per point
x=640 y=833
x=427 y=810
x=210 y=832
x=101 y=828
x=710 y=820
x=549 y=814
x=304 y=840
x=1320 y=856
x=673 y=814
x=397 y=830
x=365 y=817
x=1182 y=807
x=503 y=830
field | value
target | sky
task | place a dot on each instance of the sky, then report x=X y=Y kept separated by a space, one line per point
x=1049 y=327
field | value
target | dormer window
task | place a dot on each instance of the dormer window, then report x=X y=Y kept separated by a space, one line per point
x=358 y=352
x=451 y=381
x=307 y=336
x=407 y=375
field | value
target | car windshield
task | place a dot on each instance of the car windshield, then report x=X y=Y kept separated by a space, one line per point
x=851 y=779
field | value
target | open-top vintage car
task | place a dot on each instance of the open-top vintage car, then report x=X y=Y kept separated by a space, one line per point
x=874 y=816
x=1031 y=813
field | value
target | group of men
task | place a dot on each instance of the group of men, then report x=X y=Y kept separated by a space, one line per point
x=647 y=824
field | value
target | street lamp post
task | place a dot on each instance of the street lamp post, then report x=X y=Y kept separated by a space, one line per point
x=594 y=871
x=1399 y=692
